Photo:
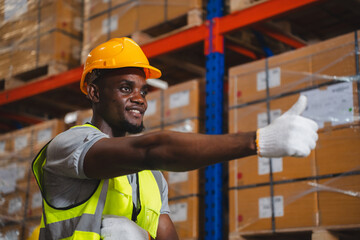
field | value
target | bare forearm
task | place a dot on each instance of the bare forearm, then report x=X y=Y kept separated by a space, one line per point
x=164 y=151
x=182 y=152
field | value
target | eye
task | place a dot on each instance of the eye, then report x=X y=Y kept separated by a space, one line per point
x=144 y=93
x=125 y=89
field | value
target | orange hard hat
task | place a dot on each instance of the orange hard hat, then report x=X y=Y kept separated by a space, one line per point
x=117 y=53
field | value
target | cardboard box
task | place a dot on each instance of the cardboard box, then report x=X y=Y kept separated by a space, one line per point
x=294 y=70
x=339 y=201
x=153 y=114
x=13 y=231
x=22 y=141
x=181 y=101
x=295 y=207
x=55 y=49
x=337 y=151
x=13 y=207
x=183 y=183
x=254 y=169
x=13 y=175
x=185 y=216
x=34 y=207
x=65 y=15
x=44 y=132
x=6 y=145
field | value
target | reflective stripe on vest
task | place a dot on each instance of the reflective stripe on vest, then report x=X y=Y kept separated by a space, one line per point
x=113 y=197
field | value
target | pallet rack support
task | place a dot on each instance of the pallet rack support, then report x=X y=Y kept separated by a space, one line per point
x=214 y=51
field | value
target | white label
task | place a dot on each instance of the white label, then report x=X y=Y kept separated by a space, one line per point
x=262 y=119
x=78 y=24
x=185 y=127
x=44 y=135
x=151 y=109
x=15 y=205
x=274 y=78
x=264 y=165
x=36 y=201
x=179 y=99
x=2 y=146
x=76 y=52
x=105 y=1
x=11 y=235
x=14 y=8
x=178 y=212
x=334 y=104
x=106 y=27
x=21 y=142
x=176 y=177
x=265 y=207
x=8 y=178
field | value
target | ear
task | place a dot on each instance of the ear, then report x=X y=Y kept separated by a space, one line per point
x=93 y=93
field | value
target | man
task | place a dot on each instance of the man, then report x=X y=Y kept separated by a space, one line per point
x=94 y=179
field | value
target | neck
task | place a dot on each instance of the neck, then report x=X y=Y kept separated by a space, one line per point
x=104 y=127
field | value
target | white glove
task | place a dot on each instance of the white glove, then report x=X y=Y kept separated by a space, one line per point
x=289 y=135
x=121 y=228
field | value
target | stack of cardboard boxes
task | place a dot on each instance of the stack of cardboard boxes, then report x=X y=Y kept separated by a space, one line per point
x=104 y=20
x=298 y=193
x=21 y=202
x=178 y=109
x=38 y=34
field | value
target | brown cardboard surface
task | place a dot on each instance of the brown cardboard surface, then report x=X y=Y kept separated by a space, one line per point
x=339 y=201
x=44 y=132
x=14 y=204
x=295 y=207
x=30 y=226
x=22 y=141
x=34 y=207
x=152 y=117
x=338 y=151
x=84 y=116
x=181 y=102
x=185 y=216
x=176 y=8
x=243 y=210
x=294 y=70
x=6 y=145
x=236 y=5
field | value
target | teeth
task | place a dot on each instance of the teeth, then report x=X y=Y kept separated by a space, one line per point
x=135 y=111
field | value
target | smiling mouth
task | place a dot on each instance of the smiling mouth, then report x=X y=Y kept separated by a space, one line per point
x=135 y=113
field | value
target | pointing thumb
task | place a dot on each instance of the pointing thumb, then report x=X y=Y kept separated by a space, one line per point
x=298 y=107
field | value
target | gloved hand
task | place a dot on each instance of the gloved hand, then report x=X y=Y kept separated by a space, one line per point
x=121 y=228
x=289 y=135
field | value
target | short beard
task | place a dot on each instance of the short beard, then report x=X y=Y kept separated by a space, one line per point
x=131 y=128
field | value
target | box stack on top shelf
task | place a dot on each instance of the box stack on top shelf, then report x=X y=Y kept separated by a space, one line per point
x=20 y=197
x=178 y=109
x=38 y=38
x=302 y=192
x=104 y=20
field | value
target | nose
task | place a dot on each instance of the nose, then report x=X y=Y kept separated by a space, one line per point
x=138 y=98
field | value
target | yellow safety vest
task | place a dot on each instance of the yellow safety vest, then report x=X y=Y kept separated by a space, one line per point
x=112 y=196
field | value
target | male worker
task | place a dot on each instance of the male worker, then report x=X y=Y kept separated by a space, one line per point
x=95 y=179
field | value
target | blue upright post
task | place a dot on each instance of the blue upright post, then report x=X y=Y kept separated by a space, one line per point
x=214 y=122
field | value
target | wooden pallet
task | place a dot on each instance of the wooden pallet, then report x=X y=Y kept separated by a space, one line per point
x=347 y=232
x=40 y=72
x=193 y=18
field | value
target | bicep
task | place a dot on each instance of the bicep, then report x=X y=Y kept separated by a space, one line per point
x=112 y=157
x=166 y=229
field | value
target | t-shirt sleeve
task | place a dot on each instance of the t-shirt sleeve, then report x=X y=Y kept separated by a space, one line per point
x=66 y=152
x=165 y=209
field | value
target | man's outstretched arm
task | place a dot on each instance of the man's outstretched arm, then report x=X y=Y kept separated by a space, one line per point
x=289 y=135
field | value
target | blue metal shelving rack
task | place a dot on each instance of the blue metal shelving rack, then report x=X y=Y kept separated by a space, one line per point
x=214 y=121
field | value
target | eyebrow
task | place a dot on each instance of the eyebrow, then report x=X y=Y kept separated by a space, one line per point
x=145 y=86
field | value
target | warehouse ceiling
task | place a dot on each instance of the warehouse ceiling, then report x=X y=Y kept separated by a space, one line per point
x=307 y=25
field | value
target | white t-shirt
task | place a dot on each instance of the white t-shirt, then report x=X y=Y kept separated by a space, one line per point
x=65 y=183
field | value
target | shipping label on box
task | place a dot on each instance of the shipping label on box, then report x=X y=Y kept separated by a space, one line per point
x=179 y=212
x=13 y=9
x=177 y=177
x=264 y=165
x=151 y=109
x=274 y=79
x=265 y=209
x=179 y=99
x=334 y=105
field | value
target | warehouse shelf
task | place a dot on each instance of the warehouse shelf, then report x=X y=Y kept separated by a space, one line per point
x=184 y=50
